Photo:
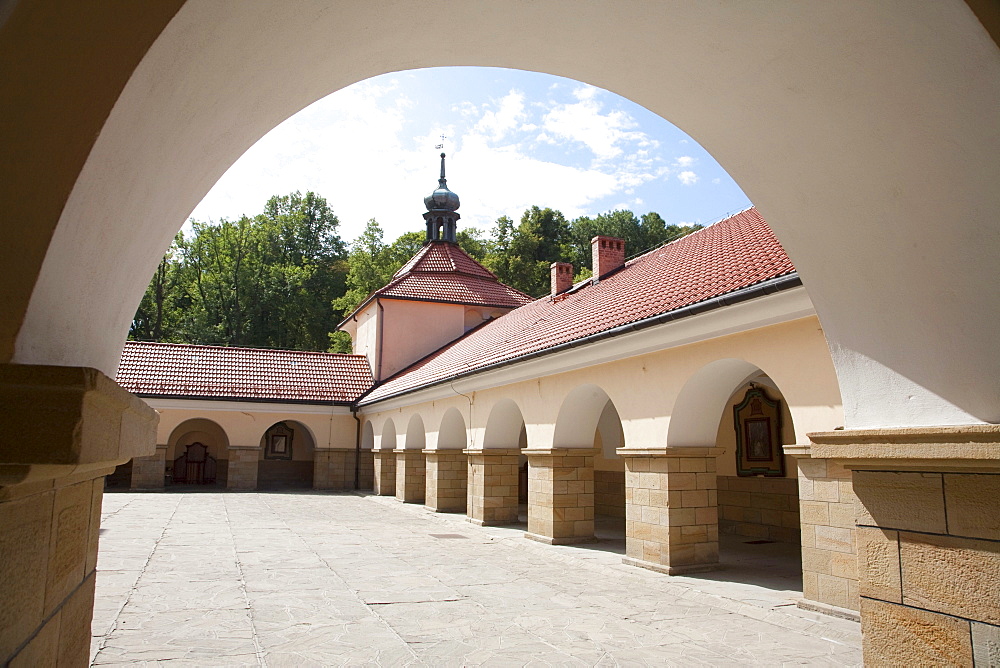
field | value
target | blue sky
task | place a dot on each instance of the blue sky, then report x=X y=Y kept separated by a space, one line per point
x=513 y=139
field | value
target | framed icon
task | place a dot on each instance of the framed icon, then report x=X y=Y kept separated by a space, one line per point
x=757 y=420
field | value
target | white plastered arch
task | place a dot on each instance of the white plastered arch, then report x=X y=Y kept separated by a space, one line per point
x=505 y=427
x=879 y=178
x=416 y=436
x=452 y=434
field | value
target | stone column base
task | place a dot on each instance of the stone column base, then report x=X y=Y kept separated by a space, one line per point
x=62 y=429
x=333 y=469
x=243 y=464
x=493 y=486
x=411 y=475
x=928 y=535
x=447 y=481
x=671 y=509
x=148 y=472
x=385 y=472
x=561 y=495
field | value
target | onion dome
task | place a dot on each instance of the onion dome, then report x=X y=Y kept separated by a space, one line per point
x=442 y=199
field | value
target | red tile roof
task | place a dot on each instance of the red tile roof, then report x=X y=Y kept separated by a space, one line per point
x=217 y=372
x=444 y=272
x=735 y=253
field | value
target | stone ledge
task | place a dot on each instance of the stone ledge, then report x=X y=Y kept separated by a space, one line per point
x=492 y=523
x=495 y=452
x=827 y=609
x=442 y=451
x=670 y=570
x=670 y=451
x=560 y=452
x=961 y=448
x=569 y=540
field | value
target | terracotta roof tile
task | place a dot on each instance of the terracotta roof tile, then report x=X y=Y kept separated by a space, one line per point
x=217 y=372
x=442 y=271
x=735 y=253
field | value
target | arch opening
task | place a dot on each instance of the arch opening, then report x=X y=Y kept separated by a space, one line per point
x=287 y=457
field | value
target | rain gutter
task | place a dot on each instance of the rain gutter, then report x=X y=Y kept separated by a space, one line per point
x=786 y=282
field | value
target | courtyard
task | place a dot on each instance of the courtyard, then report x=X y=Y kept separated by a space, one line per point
x=309 y=579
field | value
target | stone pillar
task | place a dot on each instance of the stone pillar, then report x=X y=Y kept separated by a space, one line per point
x=410 y=475
x=243 y=463
x=561 y=495
x=928 y=533
x=385 y=472
x=671 y=509
x=148 y=472
x=366 y=470
x=333 y=469
x=829 y=542
x=493 y=486
x=447 y=481
x=63 y=430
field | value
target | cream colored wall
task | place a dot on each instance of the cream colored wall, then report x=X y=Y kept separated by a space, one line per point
x=412 y=330
x=644 y=388
x=247 y=426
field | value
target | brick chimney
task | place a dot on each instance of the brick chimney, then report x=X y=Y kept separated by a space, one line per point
x=608 y=255
x=562 y=277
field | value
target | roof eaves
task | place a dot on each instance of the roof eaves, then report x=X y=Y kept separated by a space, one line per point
x=766 y=287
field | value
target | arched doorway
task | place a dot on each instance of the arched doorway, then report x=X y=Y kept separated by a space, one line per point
x=411 y=472
x=197 y=454
x=286 y=457
x=495 y=486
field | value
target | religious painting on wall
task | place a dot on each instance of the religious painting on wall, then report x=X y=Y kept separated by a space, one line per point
x=758 y=435
x=278 y=442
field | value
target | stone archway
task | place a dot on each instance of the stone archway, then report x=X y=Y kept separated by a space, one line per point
x=411 y=468
x=447 y=466
x=287 y=457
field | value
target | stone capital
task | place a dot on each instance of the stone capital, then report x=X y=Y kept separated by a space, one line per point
x=61 y=421
x=670 y=451
x=443 y=451
x=494 y=452
x=973 y=448
x=560 y=452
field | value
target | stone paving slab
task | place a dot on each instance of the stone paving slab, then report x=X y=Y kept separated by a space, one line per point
x=308 y=579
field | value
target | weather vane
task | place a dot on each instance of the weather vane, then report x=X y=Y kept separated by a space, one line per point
x=441 y=145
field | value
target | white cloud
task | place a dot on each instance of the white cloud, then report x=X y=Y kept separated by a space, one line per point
x=688 y=178
x=498 y=123
x=583 y=122
x=685 y=161
x=716 y=181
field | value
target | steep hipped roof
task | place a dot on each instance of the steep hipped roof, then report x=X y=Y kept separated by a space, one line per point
x=733 y=254
x=443 y=272
x=215 y=372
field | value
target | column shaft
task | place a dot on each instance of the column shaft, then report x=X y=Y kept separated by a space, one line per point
x=410 y=476
x=928 y=535
x=384 y=472
x=493 y=486
x=561 y=495
x=243 y=465
x=64 y=429
x=148 y=472
x=671 y=509
x=447 y=480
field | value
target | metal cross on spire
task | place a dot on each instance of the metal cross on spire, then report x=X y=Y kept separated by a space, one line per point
x=441 y=145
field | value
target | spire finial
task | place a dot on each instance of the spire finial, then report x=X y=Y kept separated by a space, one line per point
x=442 y=180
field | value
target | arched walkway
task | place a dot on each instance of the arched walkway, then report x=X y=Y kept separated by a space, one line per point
x=494 y=472
x=411 y=471
x=207 y=466
x=384 y=464
x=286 y=460
x=447 y=466
x=563 y=480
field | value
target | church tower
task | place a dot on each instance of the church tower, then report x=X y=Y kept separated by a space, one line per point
x=442 y=206
x=435 y=298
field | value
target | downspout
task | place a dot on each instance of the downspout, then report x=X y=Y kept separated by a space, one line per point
x=357 y=448
x=378 y=342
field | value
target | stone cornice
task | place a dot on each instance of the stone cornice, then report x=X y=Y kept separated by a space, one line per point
x=965 y=447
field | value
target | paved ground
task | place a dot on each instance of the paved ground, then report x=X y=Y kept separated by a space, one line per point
x=213 y=579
